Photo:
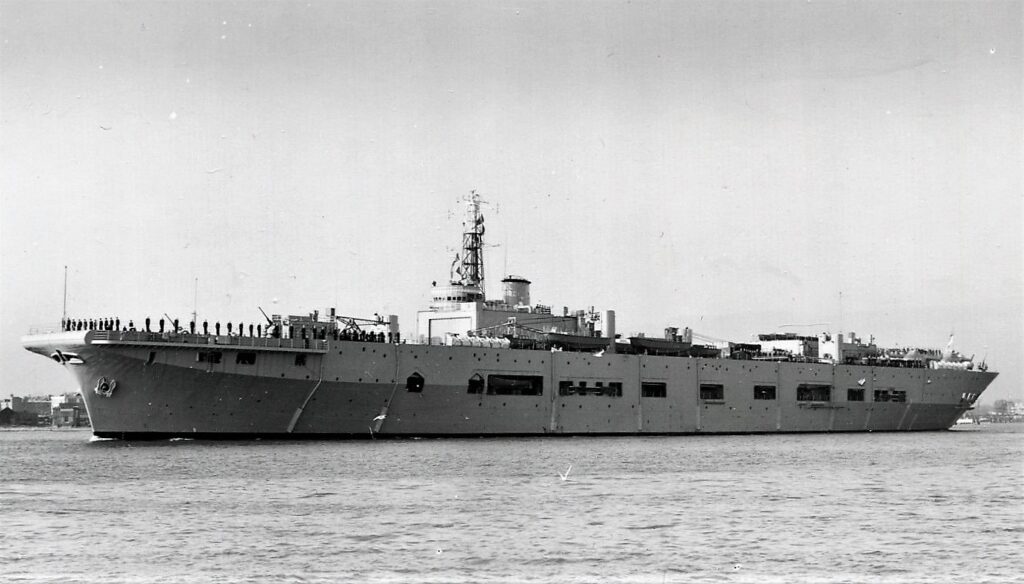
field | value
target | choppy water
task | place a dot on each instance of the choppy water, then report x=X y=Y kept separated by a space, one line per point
x=923 y=507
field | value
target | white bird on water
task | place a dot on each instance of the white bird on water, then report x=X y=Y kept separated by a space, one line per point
x=565 y=476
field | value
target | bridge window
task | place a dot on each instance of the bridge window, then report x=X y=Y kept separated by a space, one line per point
x=614 y=389
x=565 y=387
x=712 y=391
x=855 y=394
x=300 y=359
x=653 y=389
x=414 y=383
x=515 y=385
x=245 y=358
x=764 y=392
x=811 y=392
x=476 y=384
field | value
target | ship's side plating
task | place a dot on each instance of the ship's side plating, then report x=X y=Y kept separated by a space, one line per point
x=358 y=389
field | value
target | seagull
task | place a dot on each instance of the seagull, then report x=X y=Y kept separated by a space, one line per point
x=380 y=417
x=565 y=476
x=599 y=353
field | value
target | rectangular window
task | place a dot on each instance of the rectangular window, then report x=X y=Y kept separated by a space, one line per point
x=565 y=387
x=653 y=389
x=855 y=394
x=764 y=392
x=208 y=356
x=245 y=358
x=515 y=385
x=813 y=392
x=300 y=359
x=890 y=395
x=712 y=391
x=476 y=384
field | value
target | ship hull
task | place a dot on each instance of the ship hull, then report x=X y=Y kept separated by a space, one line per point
x=164 y=387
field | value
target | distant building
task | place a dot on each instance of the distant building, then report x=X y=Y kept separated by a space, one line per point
x=66 y=410
x=69 y=411
x=32 y=411
x=1006 y=410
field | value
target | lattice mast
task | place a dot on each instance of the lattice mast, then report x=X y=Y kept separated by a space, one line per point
x=470 y=270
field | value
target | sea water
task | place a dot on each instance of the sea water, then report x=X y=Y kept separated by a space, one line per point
x=883 y=507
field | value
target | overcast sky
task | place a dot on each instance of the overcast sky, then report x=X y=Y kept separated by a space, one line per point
x=733 y=167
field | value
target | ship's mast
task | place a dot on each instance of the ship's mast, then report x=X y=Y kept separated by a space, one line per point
x=471 y=268
x=64 y=314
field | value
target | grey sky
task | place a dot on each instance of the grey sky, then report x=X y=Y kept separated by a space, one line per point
x=728 y=166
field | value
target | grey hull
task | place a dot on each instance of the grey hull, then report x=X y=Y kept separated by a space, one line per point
x=349 y=389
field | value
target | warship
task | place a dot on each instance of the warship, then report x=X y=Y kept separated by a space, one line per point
x=492 y=367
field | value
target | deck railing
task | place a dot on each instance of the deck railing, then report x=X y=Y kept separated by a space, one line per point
x=226 y=340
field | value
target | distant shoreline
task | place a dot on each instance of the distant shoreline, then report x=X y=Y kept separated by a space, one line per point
x=44 y=429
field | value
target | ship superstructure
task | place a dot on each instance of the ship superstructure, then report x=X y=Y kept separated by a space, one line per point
x=480 y=367
x=460 y=313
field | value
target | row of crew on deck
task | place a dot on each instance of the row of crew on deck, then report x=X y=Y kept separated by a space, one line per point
x=272 y=330
x=92 y=324
x=106 y=324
